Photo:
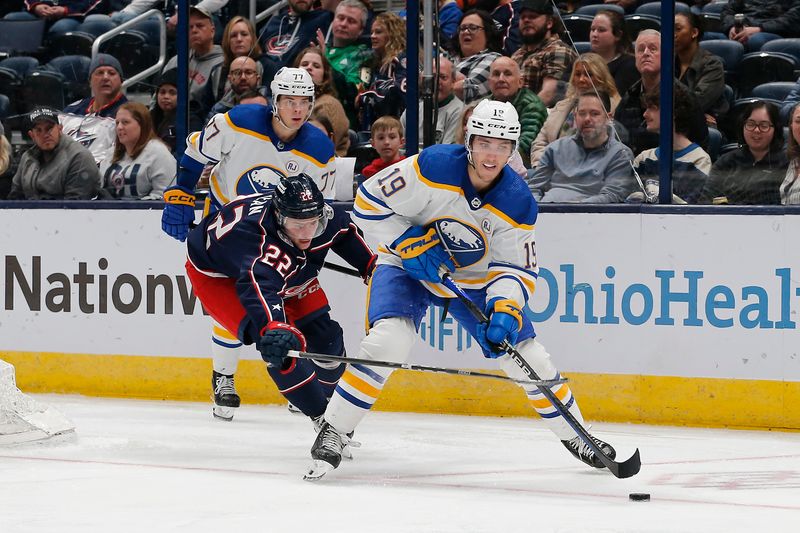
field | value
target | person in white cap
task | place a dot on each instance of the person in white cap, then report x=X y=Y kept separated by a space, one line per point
x=461 y=210
x=251 y=147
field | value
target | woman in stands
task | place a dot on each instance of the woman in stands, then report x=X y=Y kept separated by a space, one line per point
x=751 y=174
x=239 y=39
x=701 y=71
x=790 y=188
x=477 y=47
x=589 y=72
x=610 y=40
x=8 y=166
x=141 y=165
x=386 y=93
x=326 y=101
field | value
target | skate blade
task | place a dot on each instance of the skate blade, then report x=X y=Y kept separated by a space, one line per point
x=318 y=470
x=223 y=413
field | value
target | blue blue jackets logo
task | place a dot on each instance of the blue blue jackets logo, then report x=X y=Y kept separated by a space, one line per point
x=258 y=179
x=465 y=242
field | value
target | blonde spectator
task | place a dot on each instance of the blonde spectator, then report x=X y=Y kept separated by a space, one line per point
x=141 y=165
x=386 y=93
x=790 y=188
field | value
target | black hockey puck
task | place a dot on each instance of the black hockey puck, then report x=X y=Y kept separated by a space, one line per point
x=639 y=497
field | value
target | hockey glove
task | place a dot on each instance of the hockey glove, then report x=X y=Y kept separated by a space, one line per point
x=423 y=254
x=505 y=321
x=178 y=212
x=276 y=341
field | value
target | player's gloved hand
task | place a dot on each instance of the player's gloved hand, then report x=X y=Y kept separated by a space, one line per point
x=276 y=341
x=423 y=254
x=178 y=212
x=505 y=321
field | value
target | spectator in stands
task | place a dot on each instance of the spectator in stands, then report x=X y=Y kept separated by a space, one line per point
x=65 y=15
x=56 y=167
x=321 y=121
x=449 y=17
x=448 y=105
x=506 y=15
x=700 y=70
x=588 y=167
x=690 y=163
x=204 y=55
x=589 y=72
x=251 y=97
x=516 y=159
x=326 y=101
x=752 y=174
x=289 y=31
x=790 y=188
x=387 y=139
x=630 y=110
x=244 y=75
x=764 y=21
x=477 y=48
x=238 y=40
x=609 y=39
x=347 y=55
x=105 y=81
x=8 y=165
x=789 y=102
x=505 y=84
x=141 y=166
x=386 y=94
x=162 y=114
x=170 y=9
x=543 y=58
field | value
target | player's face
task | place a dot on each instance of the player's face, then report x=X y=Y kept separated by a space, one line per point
x=388 y=143
x=105 y=82
x=167 y=97
x=652 y=118
x=293 y=110
x=312 y=63
x=128 y=130
x=301 y=230
x=241 y=40
x=489 y=156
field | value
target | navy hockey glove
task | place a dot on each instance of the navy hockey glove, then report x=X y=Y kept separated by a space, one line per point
x=276 y=341
x=423 y=254
x=178 y=212
x=505 y=321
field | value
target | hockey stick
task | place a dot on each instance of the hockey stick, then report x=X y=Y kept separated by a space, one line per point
x=423 y=368
x=342 y=269
x=621 y=470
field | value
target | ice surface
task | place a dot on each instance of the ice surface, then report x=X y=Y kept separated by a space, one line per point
x=136 y=466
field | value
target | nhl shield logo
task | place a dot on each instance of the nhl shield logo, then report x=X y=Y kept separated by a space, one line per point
x=466 y=243
x=258 y=179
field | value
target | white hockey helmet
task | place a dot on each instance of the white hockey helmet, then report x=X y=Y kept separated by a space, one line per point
x=498 y=120
x=290 y=81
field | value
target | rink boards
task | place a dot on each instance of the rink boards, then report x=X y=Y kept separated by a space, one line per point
x=678 y=319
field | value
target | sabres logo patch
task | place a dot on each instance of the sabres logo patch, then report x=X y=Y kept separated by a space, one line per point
x=258 y=179
x=466 y=243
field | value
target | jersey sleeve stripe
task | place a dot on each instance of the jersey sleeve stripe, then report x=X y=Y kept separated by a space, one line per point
x=371 y=217
x=524 y=271
x=435 y=185
x=216 y=190
x=525 y=286
x=362 y=204
x=245 y=130
x=372 y=198
x=511 y=221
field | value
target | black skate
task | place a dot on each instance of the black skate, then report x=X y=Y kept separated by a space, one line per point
x=579 y=449
x=226 y=401
x=326 y=452
x=347 y=440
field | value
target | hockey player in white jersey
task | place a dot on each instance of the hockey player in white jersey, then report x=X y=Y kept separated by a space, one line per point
x=458 y=208
x=251 y=148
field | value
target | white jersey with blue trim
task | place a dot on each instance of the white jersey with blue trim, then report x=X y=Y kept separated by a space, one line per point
x=490 y=236
x=250 y=157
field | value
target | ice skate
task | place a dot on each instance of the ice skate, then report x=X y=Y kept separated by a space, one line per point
x=326 y=452
x=579 y=449
x=347 y=444
x=226 y=401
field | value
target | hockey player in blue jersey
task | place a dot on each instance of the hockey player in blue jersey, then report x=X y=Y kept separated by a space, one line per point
x=254 y=267
x=460 y=209
x=251 y=148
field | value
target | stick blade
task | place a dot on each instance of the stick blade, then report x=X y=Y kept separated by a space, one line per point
x=625 y=469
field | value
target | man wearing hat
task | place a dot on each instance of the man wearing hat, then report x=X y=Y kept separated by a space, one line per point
x=56 y=167
x=543 y=58
x=105 y=80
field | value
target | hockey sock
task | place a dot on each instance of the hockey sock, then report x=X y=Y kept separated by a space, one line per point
x=298 y=384
x=328 y=375
x=225 y=348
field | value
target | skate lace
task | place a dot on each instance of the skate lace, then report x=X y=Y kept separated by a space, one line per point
x=224 y=385
x=581 y=447
x=332 y=440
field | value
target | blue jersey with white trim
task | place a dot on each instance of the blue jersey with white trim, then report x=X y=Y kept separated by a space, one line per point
x=490 y=235
x=249 y=157
x=242 y=241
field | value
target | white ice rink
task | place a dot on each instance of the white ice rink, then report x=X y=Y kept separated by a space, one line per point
x=144 y=466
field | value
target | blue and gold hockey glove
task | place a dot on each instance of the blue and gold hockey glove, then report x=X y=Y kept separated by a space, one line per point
x=505 y=322
x=276 y=341
x=423 y=254
x=178 y=212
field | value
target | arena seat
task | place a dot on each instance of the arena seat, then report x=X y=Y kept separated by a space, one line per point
x=730 y=52
x=636 y=23
x=42 y=88
x=785 y=46
x=71 y=43
x=756 y=68
x=5 y=106
x=583 y=47
x=578 y=26
x=774 y=90
x=21 y=36
x=654 y=9
x=75 y=70
x=592 y=9
x=132 y=51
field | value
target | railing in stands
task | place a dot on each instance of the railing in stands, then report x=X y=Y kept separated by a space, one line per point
x=162 y=44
